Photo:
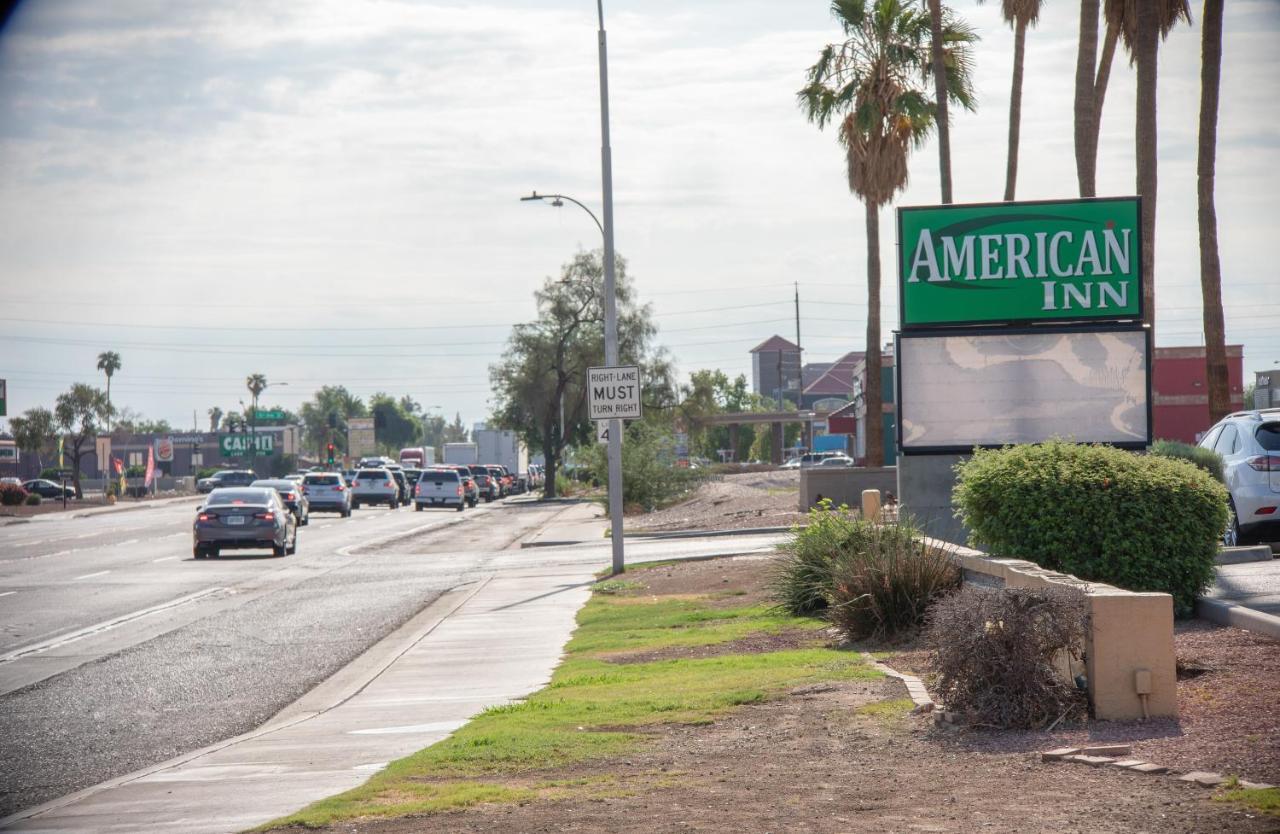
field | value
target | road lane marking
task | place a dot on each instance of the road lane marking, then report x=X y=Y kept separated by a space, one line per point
x=91 y=575
x=165 y=559
x=107 y=625
x=8 y=593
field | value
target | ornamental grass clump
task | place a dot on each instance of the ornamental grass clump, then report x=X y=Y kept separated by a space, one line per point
x=1140 y=522
x=801 y=580
x=883 y=587
x=999 y=655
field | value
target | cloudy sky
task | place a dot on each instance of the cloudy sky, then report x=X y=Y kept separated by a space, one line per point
x=326 y=191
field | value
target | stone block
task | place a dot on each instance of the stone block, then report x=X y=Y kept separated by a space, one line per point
x=1092 y=761
x=1058 y=754
x=1204 y=778
x=1108 y=750
x=1125 y=764
x=1149 y=768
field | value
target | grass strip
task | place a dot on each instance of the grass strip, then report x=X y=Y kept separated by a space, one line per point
x=593 y=709
x=1266 y=800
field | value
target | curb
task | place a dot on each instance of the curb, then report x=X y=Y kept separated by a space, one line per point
x=701 y=534
x=1242 y=555
x=915 y=687
x=1239 y=616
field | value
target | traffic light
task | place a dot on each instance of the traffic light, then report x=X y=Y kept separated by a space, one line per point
x=331 y=454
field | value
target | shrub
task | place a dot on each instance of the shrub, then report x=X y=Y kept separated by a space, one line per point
x=650 y=478
x=32 y=500
x=206 y=472
x=801 y=579
x=1141 y=522
x=997 y=653
x=50 y=473
x=12 y=495
x=1207 y=459
x=135 y=471
x=882 y=585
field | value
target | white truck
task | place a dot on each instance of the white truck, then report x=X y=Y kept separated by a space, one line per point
x=463 y=453
x=505 y=449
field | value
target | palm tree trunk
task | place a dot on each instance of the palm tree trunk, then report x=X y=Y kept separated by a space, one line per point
x=1085 y=112
x=108 y=403
x=940 y=91
x=1015 y=108
x=1146 y=50
x=1215 y=340
x=1100 y=90
x=872 y=392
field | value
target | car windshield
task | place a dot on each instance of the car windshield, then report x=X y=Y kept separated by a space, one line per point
x=1268 y=435
x=236 y=497
x=380 y=474
x=322 y=480
x=440 y=475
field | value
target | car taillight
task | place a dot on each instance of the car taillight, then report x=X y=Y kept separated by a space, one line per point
x=391 y=484
x=417 y=490
x=1265 y=463
x=207 y=516
x=288 y=496
x=355 y=484
x=339 y=488
x=459 y=490
x=265 y=516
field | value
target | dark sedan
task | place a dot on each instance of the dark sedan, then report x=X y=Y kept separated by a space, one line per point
x=48 y=489
x=293 y=496
x=226 y=478
x=244 y=518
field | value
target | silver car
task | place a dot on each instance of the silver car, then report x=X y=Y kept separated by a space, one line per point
x=327 y=492
x=1249 y=444
x=244 y=518
x=375 y=486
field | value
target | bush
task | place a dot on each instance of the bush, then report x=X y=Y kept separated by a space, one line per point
x=206 y=472
x=650 y=478
x=1141 y=522
x=12 y=495
x=883 y=586
x=997 y=653
x=135 y=471
x=32 y=500
x=1207 y=459
x=801 y=580
x=50 y=473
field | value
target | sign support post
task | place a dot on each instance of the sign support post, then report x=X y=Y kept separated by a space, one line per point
x=613 y=394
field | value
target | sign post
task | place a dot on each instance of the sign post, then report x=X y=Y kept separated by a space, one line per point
x=4 y=399
x=613 y=395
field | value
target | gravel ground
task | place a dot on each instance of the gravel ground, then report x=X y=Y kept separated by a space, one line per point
x=735 y=502
x=1228 y=703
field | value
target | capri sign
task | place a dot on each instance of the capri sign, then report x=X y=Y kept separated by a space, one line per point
x=1000 y=263
x=236 y=445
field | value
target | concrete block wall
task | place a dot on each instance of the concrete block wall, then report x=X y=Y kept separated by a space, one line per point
x=1128 y=632
x=844 y=485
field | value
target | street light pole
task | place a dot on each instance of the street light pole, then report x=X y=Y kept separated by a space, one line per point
x=610 y=306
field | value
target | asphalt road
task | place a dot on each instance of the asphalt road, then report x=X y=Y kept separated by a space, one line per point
x=118 y=650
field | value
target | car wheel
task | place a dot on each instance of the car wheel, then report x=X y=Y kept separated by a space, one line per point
x=293 y=546
x=417 y=507
x=279 y=550
x=1231 y=536
x=212 y=552
x=395 y=505
x=462 y=506
x=355 y=505
x=197 y=552
x=305 y=520
x=346 y=513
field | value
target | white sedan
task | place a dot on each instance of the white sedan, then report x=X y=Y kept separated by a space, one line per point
x=837 y=460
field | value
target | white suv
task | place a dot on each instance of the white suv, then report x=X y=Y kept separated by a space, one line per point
x=1249 y=444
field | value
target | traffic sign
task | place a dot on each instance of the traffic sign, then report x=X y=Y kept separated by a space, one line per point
x=614 y=393
x=269 y=415
x=602 y=431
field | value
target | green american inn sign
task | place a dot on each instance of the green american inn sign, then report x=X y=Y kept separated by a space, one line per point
x=994 y=263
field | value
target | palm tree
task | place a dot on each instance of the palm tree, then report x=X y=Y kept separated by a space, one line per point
x=940 y=96
x=1086 y=115
x=871 y=83
x=1019 y=14
x=1215 y=339
x=109 y=363
x=215 y=417
x=1121 y=17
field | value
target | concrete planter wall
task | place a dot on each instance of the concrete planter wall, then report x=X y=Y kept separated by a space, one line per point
x=844 y=485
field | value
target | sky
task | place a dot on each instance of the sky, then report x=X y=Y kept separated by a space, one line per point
x=327 y=191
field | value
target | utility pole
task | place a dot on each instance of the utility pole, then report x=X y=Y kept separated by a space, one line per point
x=610 y=305
x=799 y=349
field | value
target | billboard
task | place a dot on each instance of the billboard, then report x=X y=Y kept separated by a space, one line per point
x=1003 y=263
x=360 y=437
x=961 y=389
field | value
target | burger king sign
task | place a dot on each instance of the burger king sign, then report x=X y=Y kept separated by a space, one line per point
x=164 y=450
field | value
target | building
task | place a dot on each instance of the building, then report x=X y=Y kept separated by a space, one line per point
x=1266 y=391
x=888 y=408
x=834 y=382
x=1180 y=391
x=775 y=369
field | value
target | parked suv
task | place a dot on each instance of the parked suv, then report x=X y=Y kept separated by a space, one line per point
x=375 y=486
x=327 y=492
x=1249 y=445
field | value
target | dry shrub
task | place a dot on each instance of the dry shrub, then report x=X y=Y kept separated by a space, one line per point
x=994 y=653
x=884 y=582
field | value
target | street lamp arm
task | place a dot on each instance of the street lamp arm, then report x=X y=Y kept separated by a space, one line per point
x=555 y=198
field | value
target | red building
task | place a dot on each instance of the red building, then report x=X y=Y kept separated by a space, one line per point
x=1180 y=392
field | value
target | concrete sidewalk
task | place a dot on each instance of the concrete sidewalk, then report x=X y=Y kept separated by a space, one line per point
x=408 y=692
x=586 y=522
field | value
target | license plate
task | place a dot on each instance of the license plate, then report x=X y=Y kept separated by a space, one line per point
x=235 y=519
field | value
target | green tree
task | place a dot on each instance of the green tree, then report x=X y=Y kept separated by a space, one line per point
x=34 y=431
x=1215 y=338
x=78 y=414
x=215 y=417
x=871 y=84
x=108 y=363
x=395 y=427
x=456 y=432
x=547 y=360
x=433 y=430
x=324 y=418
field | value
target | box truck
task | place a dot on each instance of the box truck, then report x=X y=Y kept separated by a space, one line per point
x=463 y=453
x=505 y=449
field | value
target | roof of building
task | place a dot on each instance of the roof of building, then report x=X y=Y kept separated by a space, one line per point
x=812 y=370
x=775 y=342
x=837 y=380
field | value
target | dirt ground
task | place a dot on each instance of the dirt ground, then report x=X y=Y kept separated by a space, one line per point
x=732 y=502
x=817 y=760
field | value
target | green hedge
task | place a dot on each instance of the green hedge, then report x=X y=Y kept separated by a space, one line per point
x=1141 y=522
x=1207 y=459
